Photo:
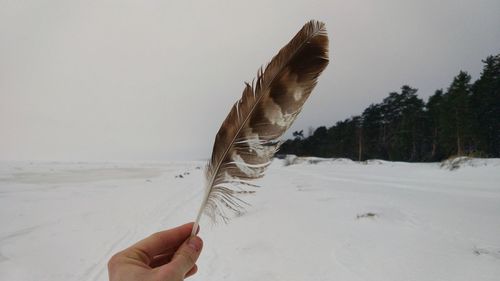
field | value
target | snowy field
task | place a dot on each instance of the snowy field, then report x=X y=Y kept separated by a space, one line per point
x=326 y=220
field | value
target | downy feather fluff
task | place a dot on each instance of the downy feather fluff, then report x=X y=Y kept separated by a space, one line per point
x=250 y=135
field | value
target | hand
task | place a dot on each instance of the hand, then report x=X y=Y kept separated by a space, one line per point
x=168 y=255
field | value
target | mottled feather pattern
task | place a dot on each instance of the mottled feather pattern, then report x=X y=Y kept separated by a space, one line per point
x=250 y=135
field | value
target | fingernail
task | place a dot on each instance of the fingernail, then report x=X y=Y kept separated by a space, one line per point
x=195 y=243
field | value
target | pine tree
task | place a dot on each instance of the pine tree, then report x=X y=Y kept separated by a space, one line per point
x=373 y=132
x=485 y=106
x=434 y=112
x=456 y=116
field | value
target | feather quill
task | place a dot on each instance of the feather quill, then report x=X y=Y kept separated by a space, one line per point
x=250 y=135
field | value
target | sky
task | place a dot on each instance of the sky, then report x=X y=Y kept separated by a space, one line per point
x=153 y=80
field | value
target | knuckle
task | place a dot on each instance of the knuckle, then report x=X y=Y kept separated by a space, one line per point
x=156 y=235
x=113 y=261
x=187 y=257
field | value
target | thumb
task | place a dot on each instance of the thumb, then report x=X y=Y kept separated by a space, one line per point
x=185 y=257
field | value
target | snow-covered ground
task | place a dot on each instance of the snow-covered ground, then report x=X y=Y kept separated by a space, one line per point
x=313 y=220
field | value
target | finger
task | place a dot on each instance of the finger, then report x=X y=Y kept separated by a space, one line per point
x=163 y=241
x=185 y=257
x=161 y=260
x=192 y=271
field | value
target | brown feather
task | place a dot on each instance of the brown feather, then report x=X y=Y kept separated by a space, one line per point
x=249 y=136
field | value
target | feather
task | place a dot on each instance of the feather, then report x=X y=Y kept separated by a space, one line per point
x=250 y=135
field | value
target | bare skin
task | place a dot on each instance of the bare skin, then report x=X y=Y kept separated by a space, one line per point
x=168 y=255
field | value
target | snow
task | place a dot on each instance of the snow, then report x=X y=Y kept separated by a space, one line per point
x=313 y=219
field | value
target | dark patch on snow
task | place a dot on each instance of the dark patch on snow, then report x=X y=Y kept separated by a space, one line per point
x=366 y=215
x=482 y=251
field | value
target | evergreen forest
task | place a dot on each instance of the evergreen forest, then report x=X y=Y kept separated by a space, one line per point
x=463 y=120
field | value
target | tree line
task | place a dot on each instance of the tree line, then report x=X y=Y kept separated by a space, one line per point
x=461 y=120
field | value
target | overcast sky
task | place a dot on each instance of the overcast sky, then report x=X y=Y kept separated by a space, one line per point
x=153 y=80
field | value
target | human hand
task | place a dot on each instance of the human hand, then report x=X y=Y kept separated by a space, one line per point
x=168 y=255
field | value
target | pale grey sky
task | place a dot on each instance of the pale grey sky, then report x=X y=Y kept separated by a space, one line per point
x=153 y=80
